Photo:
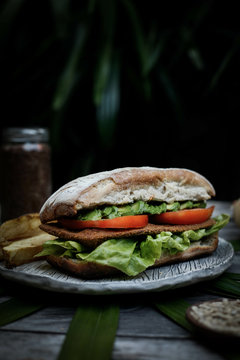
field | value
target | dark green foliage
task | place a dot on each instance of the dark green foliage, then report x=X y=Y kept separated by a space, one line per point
x=120 y=82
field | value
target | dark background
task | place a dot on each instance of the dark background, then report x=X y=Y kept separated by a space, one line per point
x=120 y=83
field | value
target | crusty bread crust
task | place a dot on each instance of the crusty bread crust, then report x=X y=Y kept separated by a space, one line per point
x=84 y=270
x=126 y=185
x=90 y=270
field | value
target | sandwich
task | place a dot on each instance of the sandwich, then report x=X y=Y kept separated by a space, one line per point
x=128 y=220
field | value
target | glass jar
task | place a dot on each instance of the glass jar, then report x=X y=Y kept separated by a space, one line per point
x=25 y=175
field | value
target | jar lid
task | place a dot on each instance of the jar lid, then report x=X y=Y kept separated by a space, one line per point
x=25 y=134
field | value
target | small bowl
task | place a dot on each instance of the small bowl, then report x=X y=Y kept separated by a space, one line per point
x=208 y=332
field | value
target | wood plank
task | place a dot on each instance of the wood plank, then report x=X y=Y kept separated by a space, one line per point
x=171 y=349
x=140 y=322
x=148 y=322
x=26 y=345
x=36 y=346
x=49 y=319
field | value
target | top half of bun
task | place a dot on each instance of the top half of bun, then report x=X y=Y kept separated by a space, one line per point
x=126 y=185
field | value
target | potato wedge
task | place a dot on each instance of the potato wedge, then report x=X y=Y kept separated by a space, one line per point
x=23 y=251
x=22 y=227
x=21 y=239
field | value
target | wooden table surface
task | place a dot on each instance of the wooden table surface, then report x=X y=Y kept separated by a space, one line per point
x=143 y=332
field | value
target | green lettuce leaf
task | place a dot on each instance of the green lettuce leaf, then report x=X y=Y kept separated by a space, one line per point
x=61 y=247
x=137 y=208
x=130 y=255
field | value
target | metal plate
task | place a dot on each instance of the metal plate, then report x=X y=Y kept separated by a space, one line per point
x=42 y=275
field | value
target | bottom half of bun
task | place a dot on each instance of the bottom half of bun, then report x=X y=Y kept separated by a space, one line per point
x=91 y=270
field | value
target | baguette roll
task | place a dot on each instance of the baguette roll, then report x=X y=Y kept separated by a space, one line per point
x=94 y=252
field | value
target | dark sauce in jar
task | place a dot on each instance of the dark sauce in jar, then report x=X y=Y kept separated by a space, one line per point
x=25 y=176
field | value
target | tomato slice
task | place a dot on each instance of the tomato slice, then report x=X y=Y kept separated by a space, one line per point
x=124 y=222
x=183 y=217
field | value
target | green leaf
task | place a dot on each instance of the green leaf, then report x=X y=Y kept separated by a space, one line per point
x=70 y=73
x=138 y=33
x=224 y=63
x=192 y=50
x=222 y=286
x=172 y=94
x=194 y=19
x=175 y=308
x=15 y=309
x=102 y=73
x=155 y=44
x=91 y=333
x=61 y=12
x=108 y=18
x=8 y=13
x=235 y=244
x=104 y=64
x=146 y=61
x=91 y=5
x=220 y=293
x=107 y=96
x=234 y=276
x=225 y=284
